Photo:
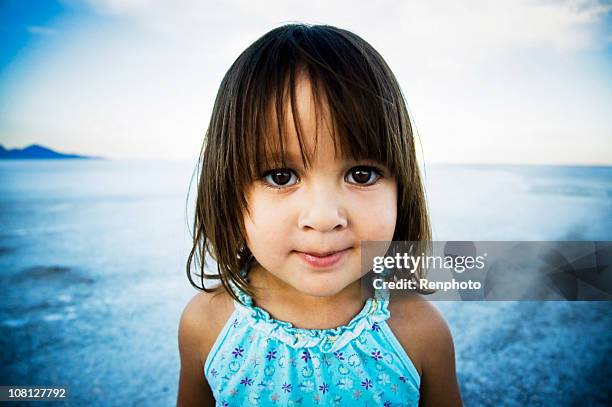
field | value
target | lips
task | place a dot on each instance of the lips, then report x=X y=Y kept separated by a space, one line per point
x=322 y=259
x=316 y=254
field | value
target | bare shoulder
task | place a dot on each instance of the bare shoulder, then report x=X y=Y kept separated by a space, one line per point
x=201 y=322
x=203 y=319
x=425 y=336
x=419 y=327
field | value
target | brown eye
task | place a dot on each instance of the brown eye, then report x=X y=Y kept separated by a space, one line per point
x=363 y=175
x=280 y=178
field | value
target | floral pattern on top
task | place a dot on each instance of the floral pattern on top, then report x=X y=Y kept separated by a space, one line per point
x=261 y=361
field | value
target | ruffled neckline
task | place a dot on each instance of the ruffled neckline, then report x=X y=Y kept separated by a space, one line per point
x=374 y=311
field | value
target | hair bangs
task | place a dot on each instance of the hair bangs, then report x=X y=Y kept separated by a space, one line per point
x=355 y=95
x=361 y=113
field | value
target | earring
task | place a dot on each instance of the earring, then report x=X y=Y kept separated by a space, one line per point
x=244 y=251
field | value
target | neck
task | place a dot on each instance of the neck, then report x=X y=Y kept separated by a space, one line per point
x=283 y=302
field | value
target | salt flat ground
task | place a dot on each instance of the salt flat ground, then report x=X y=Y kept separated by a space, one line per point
x=92 y=269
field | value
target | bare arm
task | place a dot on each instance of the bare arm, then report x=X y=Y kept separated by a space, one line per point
x=439 y=385
x=194 y=344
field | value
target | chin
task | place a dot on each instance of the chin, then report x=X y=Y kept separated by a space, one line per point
x=321 y=287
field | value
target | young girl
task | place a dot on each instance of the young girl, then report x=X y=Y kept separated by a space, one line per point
x=309 y=152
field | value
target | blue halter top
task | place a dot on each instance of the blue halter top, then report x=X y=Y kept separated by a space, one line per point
x=260 y=361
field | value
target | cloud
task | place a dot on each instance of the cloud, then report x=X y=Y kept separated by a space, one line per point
x=563 y=25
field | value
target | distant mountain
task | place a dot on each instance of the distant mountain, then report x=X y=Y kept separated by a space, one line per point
x=36 y=152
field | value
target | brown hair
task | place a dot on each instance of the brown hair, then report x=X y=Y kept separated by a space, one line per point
x=369 y=120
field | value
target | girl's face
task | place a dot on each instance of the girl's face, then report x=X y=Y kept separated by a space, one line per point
x=299 y=215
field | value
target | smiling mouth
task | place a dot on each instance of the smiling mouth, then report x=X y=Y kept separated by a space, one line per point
x=322 y=259
x=315 y=254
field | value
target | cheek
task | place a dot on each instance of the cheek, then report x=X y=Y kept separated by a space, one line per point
x=382 y=225
x=266 y=227
x=379 y=215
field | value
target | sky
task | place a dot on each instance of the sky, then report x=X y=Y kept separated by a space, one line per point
x=503 y=82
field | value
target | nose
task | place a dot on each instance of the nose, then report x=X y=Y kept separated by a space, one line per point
x=323 y=210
